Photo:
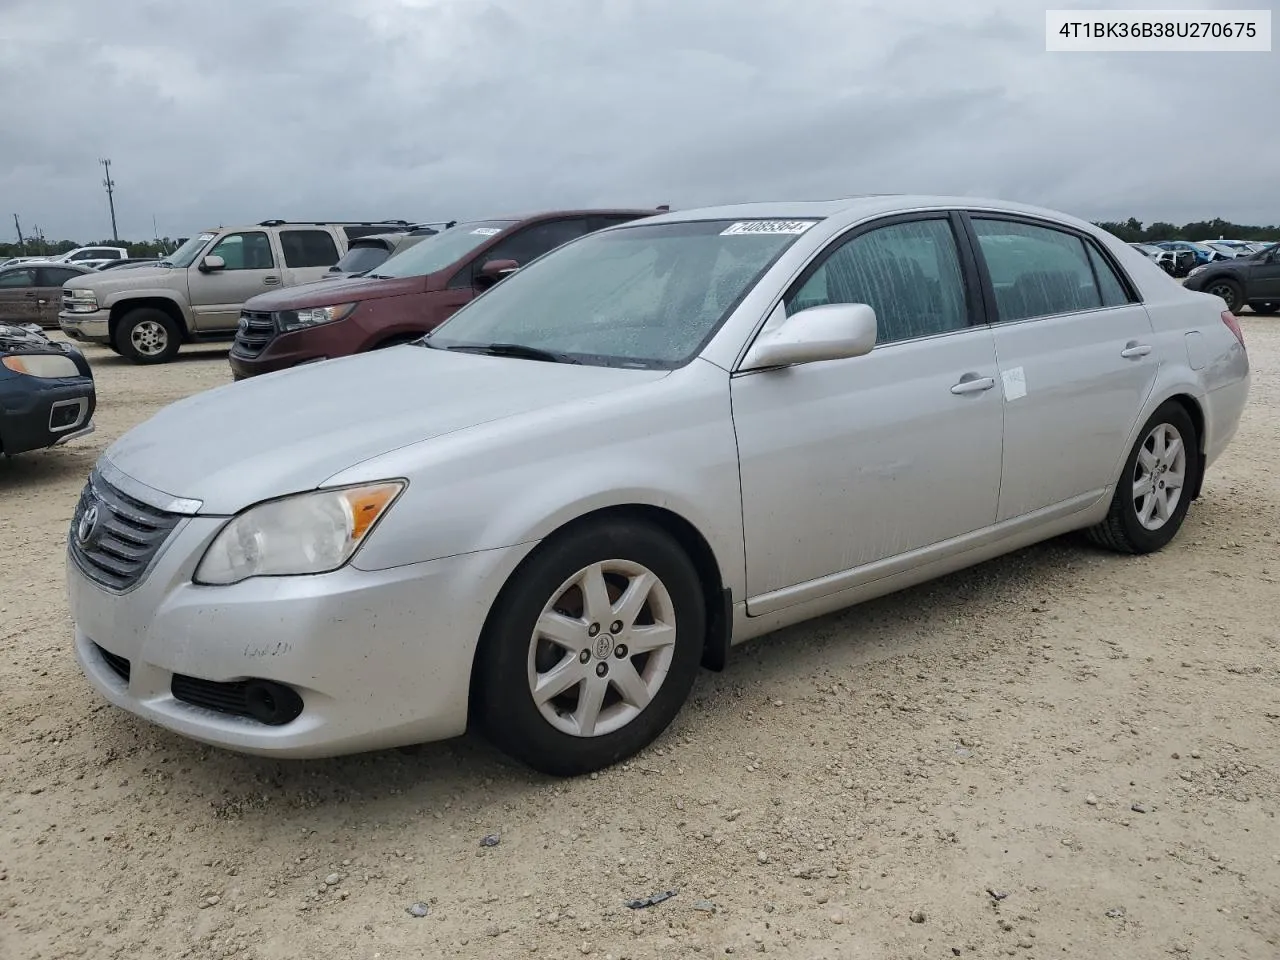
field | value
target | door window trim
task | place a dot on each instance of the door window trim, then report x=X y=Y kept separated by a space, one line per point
x=967 y=216
x=974 y=293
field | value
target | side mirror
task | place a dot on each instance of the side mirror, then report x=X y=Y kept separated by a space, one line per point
x=832 y=331
x=210 y=264
x=495 y=270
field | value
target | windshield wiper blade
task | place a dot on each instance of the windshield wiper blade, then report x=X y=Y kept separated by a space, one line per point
x=513 y=350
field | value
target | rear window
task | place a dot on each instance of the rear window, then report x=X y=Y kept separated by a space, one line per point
x=308 y=248
x=362 y=258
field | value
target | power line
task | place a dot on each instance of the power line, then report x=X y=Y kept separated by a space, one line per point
x=110 y=185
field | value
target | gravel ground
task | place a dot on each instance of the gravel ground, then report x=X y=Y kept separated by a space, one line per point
x=1062 y=753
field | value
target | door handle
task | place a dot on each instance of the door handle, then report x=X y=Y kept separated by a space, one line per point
x=269 y=281
x=1133 y=350
x=972 y=383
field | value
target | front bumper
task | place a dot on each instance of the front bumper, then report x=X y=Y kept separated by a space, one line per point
x=86 y=327
x=296 y=347
x=37 y=413
x=380 y=658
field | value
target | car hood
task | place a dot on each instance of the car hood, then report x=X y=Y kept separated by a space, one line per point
x=121 y=279
x=323 y=293
x=291 y=431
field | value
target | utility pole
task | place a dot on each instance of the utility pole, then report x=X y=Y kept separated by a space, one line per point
x=22 y=244
x=110 y=185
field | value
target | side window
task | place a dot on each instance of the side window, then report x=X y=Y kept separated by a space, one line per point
x=308 y=248
x=909 y=273
x=600 y=221
x=1036 y=271
x=1113 y=291
x=245 y=251
x=56 y=276
x=18 y=278
x=532 y=242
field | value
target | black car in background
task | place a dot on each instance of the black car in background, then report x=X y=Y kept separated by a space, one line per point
x=1253 y=280
x=47 y=394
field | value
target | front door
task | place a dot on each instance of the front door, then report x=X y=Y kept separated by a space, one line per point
x=1077 y=362
x=1263 y=282
x=18 y=296
x=847 y=462
x=217 y=295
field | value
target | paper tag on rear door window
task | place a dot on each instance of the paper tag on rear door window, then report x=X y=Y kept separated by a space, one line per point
x=1015 y=383
x=766 y=226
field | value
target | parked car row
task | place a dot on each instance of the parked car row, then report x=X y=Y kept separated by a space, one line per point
x=648 y=444
x=1252 y=279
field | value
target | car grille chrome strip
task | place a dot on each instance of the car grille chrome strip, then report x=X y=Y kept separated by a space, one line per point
x=149 y=496
x=114 y=537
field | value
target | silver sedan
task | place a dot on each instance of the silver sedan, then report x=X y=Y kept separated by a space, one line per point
x=654 y=443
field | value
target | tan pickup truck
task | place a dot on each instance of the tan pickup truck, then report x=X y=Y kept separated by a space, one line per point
x=146 y=313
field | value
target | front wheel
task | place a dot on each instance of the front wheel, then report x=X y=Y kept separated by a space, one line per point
x=591 y=649
x=1228 y=290
x=147 y=335
x=1155 y=488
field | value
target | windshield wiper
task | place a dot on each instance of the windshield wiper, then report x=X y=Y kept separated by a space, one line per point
x=377 y=276
x=512 y=350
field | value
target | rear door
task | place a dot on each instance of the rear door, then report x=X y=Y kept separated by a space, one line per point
x=18 y=295
x=251 y=268
x=308 y=253
x=49 y=281
x=1077 y=362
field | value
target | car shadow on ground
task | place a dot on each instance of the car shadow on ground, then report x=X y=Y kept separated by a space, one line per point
x=108 y=358
x=467 y=772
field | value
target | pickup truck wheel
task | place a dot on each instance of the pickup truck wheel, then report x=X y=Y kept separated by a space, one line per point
x=147 y=335
x=1265 y=308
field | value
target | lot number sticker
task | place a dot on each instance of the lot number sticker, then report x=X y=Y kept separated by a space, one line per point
x=486 y=231
x=1015 y=383
x=766 y=226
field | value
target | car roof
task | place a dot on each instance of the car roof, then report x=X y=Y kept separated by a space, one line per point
x=860 y=206
x=592 y=212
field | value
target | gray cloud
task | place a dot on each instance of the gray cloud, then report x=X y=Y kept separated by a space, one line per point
x=455 y=108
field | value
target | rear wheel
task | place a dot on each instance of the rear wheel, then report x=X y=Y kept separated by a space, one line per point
x=147 y=335
x=1229 y=290
x=592 y=648
x=1265 y=308
x=1154 y=491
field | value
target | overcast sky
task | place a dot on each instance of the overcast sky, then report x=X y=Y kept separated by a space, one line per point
x=234 y=112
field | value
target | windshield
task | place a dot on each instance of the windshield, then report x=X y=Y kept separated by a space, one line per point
x=186 y=254
x=645 y=296
x=362 y=258
x=442 y=250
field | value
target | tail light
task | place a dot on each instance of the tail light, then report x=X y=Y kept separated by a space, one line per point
x=1233 y=325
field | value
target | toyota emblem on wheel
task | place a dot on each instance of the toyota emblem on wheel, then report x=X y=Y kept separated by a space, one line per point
x=87 y=528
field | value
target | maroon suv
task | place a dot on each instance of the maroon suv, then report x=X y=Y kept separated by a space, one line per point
x=404 y=297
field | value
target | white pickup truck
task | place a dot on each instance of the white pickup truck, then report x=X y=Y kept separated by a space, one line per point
x=195 y=294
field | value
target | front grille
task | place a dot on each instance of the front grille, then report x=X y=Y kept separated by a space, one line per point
x=119 y=665
x=115 y=546
x=268 y=702
x=256 y=330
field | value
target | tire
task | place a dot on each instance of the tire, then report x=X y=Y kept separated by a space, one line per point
x=1265 y=309
x=1229 y=290
x=147 y=335
x=562 y=736
x=1125 y=530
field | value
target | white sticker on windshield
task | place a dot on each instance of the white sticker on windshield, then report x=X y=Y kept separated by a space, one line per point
x=486 y=231
x=767 y=226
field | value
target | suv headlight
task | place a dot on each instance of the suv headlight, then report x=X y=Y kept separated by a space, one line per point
x=46 y=366
x=314 y=316
x=1195 y=270
x=302 y=534
x=80 y=301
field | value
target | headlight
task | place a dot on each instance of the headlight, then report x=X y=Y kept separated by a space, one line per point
x=80 y=301
x=306 y=533
x=1195 y=270
x=314 y=316
x=43 y=365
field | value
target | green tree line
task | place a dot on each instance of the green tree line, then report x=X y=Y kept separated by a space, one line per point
x=1133 y=231
x=36 y=247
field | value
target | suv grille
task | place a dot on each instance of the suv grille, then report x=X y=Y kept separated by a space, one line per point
x=256 y=330
x=115 y=545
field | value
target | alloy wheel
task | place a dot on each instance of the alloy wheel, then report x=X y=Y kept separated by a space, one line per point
x=1159 y=476
x=149 y=338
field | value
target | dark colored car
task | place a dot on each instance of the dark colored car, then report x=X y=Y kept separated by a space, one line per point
x=46 y=391
x=32 y=292
x=1252 y=280
x=409 y=295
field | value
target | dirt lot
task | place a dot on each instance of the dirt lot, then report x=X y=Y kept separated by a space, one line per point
x=1058 y=754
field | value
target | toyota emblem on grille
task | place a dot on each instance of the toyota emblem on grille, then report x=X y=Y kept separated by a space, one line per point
x=87 y=528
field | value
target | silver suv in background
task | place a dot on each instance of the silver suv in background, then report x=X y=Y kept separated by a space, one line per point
x=195 y=293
